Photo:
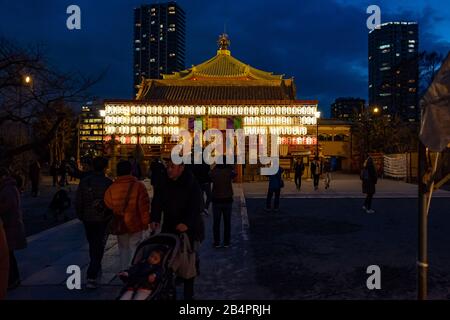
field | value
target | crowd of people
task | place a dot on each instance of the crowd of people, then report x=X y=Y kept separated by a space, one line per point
x=182 y=196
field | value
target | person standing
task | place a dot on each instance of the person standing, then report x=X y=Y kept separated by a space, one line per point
x=201 y=173
x=222 y=176
x=369 y=180
x=4 y=262
x=128 y=199
x=299 y=169
x=11 y=216
x=34 y=174
x=91 y=210
x=181 y=201
x=275 y=185
x=63 y=174
x=327 y=173
x=54 y=169
x=315 y=172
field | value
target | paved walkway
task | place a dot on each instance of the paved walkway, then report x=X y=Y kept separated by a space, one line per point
x=342 y=186
x=44 y=263
x=225 y=273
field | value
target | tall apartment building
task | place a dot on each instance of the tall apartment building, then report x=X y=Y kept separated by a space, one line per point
x=159 y=40
x=347 y=108
x=394 y=70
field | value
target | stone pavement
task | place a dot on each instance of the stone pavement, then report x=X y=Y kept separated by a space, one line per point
x=342 y=186
x=44 y=263
x=232 y=273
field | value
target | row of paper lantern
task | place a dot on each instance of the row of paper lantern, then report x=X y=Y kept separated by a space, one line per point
x=141 y=139
x=172 y=120
x=211 y=110
x=154 y=110
x=141 y=130
x=297 y=140
x=270 y=121
x=295 y=131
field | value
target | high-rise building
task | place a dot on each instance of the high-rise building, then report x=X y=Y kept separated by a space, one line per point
x=347 y=108
x=159 y=41
x=91 y=126
x=394 y=69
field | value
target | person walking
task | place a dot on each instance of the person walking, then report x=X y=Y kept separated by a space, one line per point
x=299 y=169
x=34 y=174
x=327 y=173
x=315 y=172
x=11 y=216
x=54 y=169
x=276 y=183
x=222 y=176
x=91 y=210
x=181 y=201
x=369 y=180
x=128 y=199
x=4 y=262
x=201 y=173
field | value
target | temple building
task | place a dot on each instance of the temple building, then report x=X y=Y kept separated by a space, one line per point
x=222 y=92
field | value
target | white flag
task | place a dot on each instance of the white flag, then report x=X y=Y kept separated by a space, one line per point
x=435 y=126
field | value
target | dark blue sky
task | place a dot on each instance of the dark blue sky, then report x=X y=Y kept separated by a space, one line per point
x=322 y=43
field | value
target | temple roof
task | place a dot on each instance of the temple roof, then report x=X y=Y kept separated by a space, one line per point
x=223 y=65
x=222 y=77
x=176 y=90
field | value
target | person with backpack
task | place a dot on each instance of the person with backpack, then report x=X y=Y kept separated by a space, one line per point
x=128 y=198
x=369 y=180
x=91 y=210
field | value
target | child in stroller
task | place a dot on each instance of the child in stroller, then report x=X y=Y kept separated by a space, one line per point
x=142 y=278
x=161 y=283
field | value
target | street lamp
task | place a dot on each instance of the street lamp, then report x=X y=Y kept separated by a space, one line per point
x=27 y=79
x=317 y=115
x=376 y=110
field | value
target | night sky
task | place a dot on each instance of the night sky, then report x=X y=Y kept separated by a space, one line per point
x=322 y=44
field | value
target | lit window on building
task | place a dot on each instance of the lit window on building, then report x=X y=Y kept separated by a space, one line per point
x=138 y=49
x=152 y=60
x=153 y=22
x=171 y=54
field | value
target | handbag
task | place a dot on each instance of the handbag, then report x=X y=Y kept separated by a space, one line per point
x=184 y=264
x=117 y=224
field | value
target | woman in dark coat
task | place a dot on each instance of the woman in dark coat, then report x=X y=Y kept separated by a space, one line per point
x=11 y=215
x=369 y=180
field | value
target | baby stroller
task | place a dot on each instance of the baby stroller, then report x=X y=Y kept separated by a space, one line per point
x=169 y=244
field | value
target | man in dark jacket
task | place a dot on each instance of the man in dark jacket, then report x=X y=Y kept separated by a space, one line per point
x=35 y=174
x=201 y=173
x=180 y=200
x=11 y=215
x=222 y=200
x=92 y=211
x=315 y=172
x=369 y=180
x=299 y=169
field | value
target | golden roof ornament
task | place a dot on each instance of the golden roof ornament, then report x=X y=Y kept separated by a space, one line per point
x=224 y=43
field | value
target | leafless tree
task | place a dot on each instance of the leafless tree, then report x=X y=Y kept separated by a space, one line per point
x=31 y=91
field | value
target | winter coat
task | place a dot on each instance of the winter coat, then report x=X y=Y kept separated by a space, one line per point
x=222 y=180
x=181 y=201
x=299 y=168
x=137 y=213
x=4 y=262
x=11 y=214
x=89 y=203
x=276 y=181
x=315 y=168
x=201 y=173
x=369 y=178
